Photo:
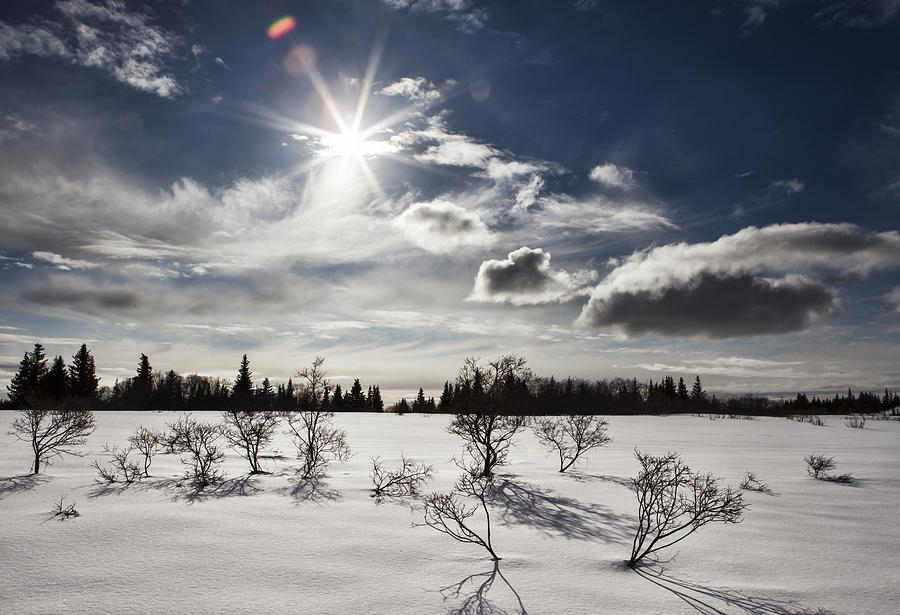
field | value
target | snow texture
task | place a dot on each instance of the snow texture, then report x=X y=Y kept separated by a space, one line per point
x=271 y=543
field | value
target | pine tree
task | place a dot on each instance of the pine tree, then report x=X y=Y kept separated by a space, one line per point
x=356 y=399
x=377 y=404
x=682 y=389
x=56 y=385
x=419 y=405
x=38 y=368
x=144 y=370
x=243 y=384
x=697 y=392
x=446 y=400
x=17 y=389
x=337 y=398
x=83 y=374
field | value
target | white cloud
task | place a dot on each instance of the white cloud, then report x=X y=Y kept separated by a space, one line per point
x=613 y=176
x=892 y=298
x=460 y=12
x=125 y=45
x=525 y=277
x=725 y=288
x=62 y=262
x=443 y=227
x=527 y=194
x=596 y=215
x=791 y=186
x=416 y=89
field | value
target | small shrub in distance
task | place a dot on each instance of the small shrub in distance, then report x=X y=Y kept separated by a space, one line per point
x=120 y=468
x=857 y=421
x=820 y=467
x=751 y=483
x=64 y=511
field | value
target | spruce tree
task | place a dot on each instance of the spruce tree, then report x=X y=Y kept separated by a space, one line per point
x=337 y=398
x=243 y=384
x=682 y=389
x=377 y=404
x=697 y=392
x=83 y=374
x=356 y=399
x=446 y=400
x=56 y=385
x=420 y=405
x=17 y=389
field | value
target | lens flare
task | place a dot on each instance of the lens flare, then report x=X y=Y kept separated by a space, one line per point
x=282 y=27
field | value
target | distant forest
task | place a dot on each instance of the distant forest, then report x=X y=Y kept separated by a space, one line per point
x=504 y=386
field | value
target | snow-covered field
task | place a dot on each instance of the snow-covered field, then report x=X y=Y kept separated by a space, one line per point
x=270 y=544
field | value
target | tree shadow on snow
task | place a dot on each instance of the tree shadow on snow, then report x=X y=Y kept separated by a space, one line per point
x=474 y=601
x=712 y=600
x=310 y=490
x=582 y=477
x=526 y=504
x=15 y=484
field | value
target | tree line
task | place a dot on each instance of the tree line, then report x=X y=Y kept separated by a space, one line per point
x=514 y=389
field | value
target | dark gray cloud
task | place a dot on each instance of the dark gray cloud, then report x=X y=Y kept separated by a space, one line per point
x=526 y=278
x=715 y=306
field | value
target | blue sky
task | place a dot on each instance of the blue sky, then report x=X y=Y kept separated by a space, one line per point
x=607 y=188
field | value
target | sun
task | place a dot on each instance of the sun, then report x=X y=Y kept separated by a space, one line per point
x=347 y=144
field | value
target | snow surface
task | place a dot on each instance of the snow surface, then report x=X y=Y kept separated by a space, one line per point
x=270 y=544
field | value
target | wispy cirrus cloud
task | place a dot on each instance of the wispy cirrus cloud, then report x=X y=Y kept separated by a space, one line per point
x=106 y=36
x=462 y=13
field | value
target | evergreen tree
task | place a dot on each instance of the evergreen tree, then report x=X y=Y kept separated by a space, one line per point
x=697 y=392
x=377 y=405
x=337 y=398
x=419 y=405
x=242 y=390
x=38 y=368
x=144 y=370
x=56 y=385
x=83 y=374
x=682 y=389
x=355 y=399
x=17 y=389
x=446 y=401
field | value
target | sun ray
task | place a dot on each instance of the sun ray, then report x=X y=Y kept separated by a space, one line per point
x=374 y=59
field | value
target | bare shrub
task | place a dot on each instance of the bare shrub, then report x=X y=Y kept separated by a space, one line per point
x=199 y=441
x=64 y=511
x=674 y=502
x=571 y=436
x=120 y=468
x=856 y=421
x=487 y=437
x=249 y=431
x=820 y=467
x=147 y=442
x=312 y=428
x=751 y=483
x=52 y=433
x=450 y=514
x=408 y=479
x=812 y=419
x=317 y=440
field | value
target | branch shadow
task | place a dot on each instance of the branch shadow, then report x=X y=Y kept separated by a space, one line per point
x=711 y=600
x=12 y=485
x=310 y=490
x=475 y=601
x=582 y=477
x=526 y=504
